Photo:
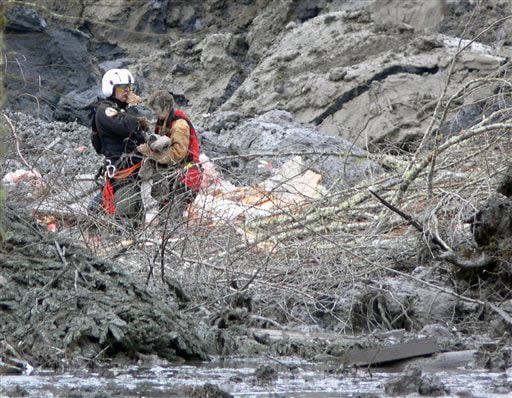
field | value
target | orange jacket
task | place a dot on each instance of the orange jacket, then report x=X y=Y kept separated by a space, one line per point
x=179 y=133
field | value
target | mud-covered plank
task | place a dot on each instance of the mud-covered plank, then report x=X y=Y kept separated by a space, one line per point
x=277 y=334
x=380 y=355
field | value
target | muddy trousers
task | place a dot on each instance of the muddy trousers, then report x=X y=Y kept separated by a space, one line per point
x=128 y=201
x=172 y=195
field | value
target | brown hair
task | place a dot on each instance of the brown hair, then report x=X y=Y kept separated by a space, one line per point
x=161 y=101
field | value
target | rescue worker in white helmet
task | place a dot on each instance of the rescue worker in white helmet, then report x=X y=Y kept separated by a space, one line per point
x=116 y=134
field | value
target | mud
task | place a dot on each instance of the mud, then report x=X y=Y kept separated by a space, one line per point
x=340 y=64
x=254 y=75
x=414 y=382
x=238 y=377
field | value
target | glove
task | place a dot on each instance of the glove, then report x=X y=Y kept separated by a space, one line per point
x=151 y=137
x=143 y=123
x=162 y=143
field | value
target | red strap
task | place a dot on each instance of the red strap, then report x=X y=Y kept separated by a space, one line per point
x=121 y=174
x=109 y=204
x=193 y=147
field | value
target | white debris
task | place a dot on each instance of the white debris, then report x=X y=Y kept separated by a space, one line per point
x=291 y=187
x=22 y=175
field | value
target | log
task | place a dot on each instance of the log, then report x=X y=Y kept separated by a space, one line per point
x=381 y=355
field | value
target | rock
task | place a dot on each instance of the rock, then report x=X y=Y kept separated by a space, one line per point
x=492 y=224
x=337 y=74
x=71 y=106
x=25 y=20
x=413 y=382
x=266 y=373
x=59 y=138
x=209 y=390
x=278 y=132
x=427 y=43
x=403 y=385
x=105 y=51
x=238 y=45
x=443 y=336
x=118 y=63
x=220 y=121
x=72 y=68
x=432 y=386
x=214 y=51
x=359 y=16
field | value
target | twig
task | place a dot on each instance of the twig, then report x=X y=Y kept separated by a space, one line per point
x=411 y=220
x=413 y=172
x=18 y=150
x=63 y=259
x=448 y=254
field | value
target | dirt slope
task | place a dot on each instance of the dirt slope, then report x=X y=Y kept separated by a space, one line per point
x=366 y=70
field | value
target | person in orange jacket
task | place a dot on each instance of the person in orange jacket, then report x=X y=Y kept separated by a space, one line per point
x=177 y=172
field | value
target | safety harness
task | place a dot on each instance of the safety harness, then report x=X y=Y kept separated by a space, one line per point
x=111 y=175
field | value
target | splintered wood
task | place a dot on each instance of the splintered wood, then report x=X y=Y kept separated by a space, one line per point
x=291 y=189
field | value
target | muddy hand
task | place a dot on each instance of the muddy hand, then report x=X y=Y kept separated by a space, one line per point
x=133 y=99
x=143 y=123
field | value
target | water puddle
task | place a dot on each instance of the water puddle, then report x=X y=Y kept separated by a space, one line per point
x=238 y=378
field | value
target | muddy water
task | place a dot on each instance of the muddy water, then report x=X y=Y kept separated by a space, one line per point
x=297 y=379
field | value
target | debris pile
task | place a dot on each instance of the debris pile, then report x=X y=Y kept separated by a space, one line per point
x=290 y=188
x=61 y=306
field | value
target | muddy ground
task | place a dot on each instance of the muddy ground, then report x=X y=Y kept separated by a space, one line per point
x=93 y=293
x=265 y=80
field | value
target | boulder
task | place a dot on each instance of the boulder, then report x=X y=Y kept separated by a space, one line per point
x=24 y=20
x=71 y=107
x=32 y=84
x=414 y=382
x=492 y=225
x=277 y=132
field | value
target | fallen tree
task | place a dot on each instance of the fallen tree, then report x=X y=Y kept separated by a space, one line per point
x=62 y=306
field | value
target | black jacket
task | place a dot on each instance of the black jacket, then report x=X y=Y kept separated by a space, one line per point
x=118 y=129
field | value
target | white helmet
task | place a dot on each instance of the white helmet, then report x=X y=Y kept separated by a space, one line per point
x=113 y=77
